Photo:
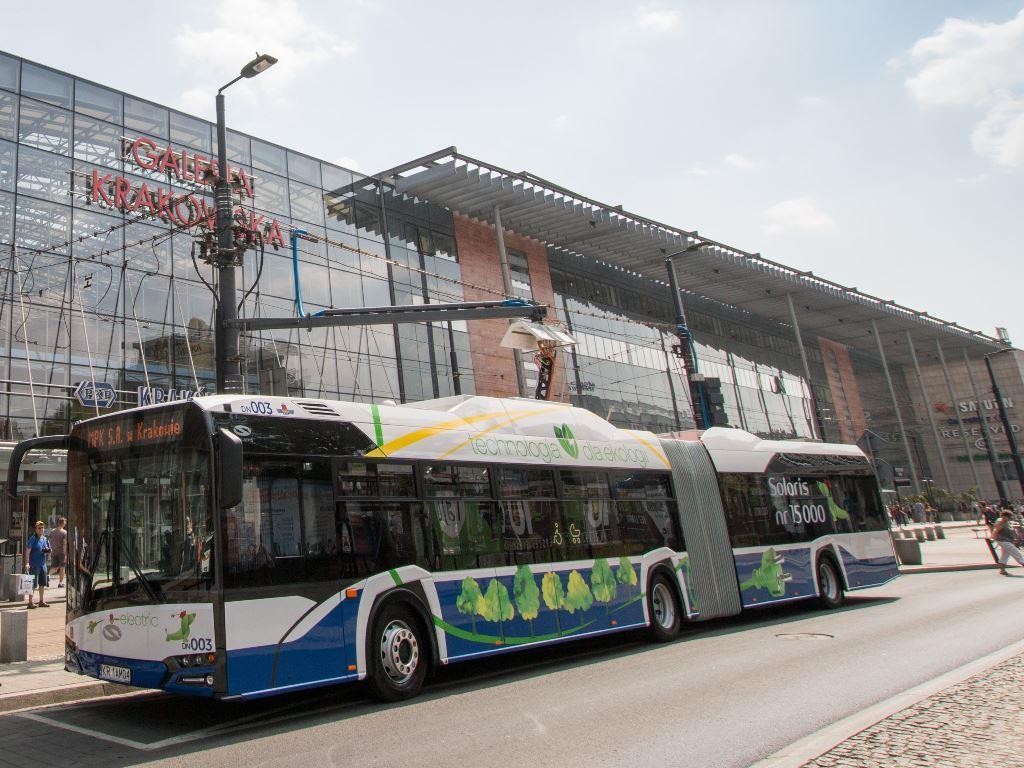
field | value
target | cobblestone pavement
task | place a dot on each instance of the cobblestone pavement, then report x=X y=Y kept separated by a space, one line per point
x=976 y=723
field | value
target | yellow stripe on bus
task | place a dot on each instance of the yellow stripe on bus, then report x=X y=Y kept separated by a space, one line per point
x=423 y=433
x=512 y=417
x=657 y=452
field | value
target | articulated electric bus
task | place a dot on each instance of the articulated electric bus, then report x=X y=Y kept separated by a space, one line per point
x=243 y=546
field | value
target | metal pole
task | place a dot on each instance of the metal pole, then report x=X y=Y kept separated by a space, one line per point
x=896 y=408
x=228 y=376
x=956 y=410
x=506 y=281
x=687 y=354
x=671 y=384
x=990 y=449
x=1010 y=437
x=807 y=367
x=928 y=411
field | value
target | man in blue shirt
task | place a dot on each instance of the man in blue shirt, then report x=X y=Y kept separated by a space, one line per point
x=36 y=549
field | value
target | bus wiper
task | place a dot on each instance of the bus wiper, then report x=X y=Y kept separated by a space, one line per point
x=132 y=563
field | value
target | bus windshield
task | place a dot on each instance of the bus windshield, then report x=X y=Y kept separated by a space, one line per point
x=141 y=526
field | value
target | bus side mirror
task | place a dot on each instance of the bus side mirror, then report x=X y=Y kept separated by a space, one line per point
x=229 y=462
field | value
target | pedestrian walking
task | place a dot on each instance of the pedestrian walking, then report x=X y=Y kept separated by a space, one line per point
x=36 y=549
x=1005 y=537
x=918 y=509
x=59 y=549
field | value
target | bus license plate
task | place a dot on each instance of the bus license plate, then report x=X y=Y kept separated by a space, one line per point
x=117 y=674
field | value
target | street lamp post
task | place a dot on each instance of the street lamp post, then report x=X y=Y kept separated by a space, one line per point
x=229 y=377
x=1010 y=437
x=687 y=351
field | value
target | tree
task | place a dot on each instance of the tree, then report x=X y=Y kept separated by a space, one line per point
x=527 y=594
x=625 y=574
x=577 y=595
x=603 y=582
x=496 y=605
x=470 y=601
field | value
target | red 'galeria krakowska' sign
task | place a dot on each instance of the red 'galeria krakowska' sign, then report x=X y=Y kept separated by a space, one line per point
x=184 y=210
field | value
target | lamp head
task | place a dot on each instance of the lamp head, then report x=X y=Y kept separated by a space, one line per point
x=261 y=63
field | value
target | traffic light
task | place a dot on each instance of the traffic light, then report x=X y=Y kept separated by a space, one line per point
x=715 y=403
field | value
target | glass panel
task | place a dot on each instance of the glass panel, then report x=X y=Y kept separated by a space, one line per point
x=303 y=168
x=193 y=133
x=467 y=533
x=41 y=224
x=8 y=72
x=144 y=117
x=375 y=536
x=270 y=193
x=41 y=174
x=46 y=85
x=45 y=127
x=8 y=116
x=98 y=102
x=307 y=203
x=268 y=157
x=528 y=529
x=238 y=148
x=359 y=479
x=584 y=485
x=6 y=216
x=448 y=480
x=334 y=177
x=8 y=152
x=97 y=142
x=526 y=483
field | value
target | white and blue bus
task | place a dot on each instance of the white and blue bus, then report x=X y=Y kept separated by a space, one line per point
x=243 y=546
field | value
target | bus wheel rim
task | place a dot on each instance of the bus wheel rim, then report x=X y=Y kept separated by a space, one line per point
x=399 y=652
x=664 y=607
x=828 y=582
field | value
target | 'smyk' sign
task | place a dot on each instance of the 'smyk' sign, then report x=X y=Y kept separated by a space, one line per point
x=95 y=394
x=153 y=395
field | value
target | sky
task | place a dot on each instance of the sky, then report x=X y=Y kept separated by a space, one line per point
x=879 y=144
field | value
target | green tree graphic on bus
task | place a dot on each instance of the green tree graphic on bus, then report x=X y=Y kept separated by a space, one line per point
x=625 y=574
x=552 y=591
x=470 y=601
x=769 y=575
x=602 y=581
x=577 y=595
x=184 y=630
x=527 y=594
x=497 y=606
x=837 y=512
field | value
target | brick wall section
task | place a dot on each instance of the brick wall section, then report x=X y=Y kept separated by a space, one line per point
x=477 y=245
x=845 y=384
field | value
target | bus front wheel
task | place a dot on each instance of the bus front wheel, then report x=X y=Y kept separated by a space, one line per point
x=830 y=585
x=400 y=654
x=663 y=609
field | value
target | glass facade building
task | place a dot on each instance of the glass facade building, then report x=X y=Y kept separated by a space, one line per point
x=98 y=289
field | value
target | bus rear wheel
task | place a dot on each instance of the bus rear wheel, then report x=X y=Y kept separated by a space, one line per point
x=663 y=609
x=400 y=654
x=830 y=585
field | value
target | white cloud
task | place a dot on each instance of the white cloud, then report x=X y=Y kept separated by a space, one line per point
x=652 y=18
x=239 y=29
x=560 y=120
x=699 y=170
x=980 y=65
x=799 y=214
x=347 y=162
x=737 y=160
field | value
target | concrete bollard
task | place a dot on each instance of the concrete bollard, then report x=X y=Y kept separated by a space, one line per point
x=919 y=534
x=939 y=533
x=13 y=636
x=907 y=552
x=909 y=535
x=929 y=532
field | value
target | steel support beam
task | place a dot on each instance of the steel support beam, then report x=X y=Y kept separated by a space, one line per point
x=990 y=448
x=928 y=413
x=896 y=407
x=506 y=281
x=807 y=367
x=956 y=410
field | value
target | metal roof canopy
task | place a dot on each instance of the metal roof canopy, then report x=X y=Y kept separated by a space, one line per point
x=744 y=281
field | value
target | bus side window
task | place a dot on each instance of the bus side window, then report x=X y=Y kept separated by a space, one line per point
x=462 y=516
x=529 y=508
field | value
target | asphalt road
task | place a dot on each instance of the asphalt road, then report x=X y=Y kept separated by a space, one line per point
x=727 y=694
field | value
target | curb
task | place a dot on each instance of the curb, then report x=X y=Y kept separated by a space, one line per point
x=816 y=744
x=64 y=694
x=947 y=568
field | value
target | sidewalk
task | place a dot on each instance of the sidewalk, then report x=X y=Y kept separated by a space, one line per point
x=961 y=550
x=973 y=723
